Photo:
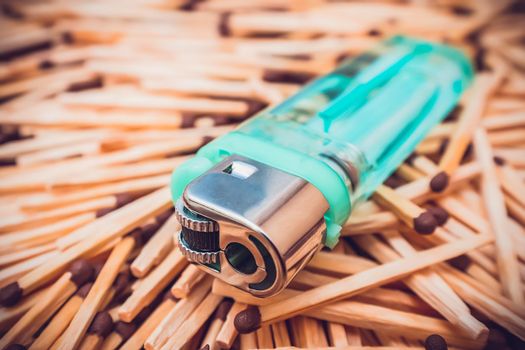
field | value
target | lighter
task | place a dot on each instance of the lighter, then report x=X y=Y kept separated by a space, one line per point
x=257 y=203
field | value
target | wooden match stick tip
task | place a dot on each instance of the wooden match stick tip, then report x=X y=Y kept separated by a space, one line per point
x=425 y=223
x=439 y=182
x=435 y=342
x=222 y=310
x=15 y=347
x=102 y=324
x=248 y=320
x=440 y=214
x=84 y=290
x=125 y=329
x=82 y=271
x=10 y=294
x=224 y=24
x=499 y=160
x=206 y=347
x=461 y=262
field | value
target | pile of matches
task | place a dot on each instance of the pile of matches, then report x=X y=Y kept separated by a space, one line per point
x=101 y=100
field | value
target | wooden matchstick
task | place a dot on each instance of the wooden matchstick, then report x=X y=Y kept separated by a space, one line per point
x=173 y=320
x=138 y=339
x=484 y=86
x=156 y=249
x=194 y=321
x=152 y=285
x=228 y=332
x=248 y=341
x=187 y=280
x=339 y=263
x=495 y=208
x=216 y=325
x=421 y=221
x=510 y=181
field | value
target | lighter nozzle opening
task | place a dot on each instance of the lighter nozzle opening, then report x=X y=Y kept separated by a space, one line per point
x=251 y=225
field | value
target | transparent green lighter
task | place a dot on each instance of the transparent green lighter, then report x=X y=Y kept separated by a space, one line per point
x=256 y=204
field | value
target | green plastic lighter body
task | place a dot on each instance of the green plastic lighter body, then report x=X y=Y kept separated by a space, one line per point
x=370 y=113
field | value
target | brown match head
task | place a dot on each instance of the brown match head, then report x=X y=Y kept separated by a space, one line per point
x=393 y=182
x=85 y=85
x=499 y=160
x=7 y=162
x=10 y=294
x=188 y=120
x=440 y=214
x=123 y=198
x=443 y=147
x=84 y=290
x=255 y=106
x=189 y=5
x=224 y=24
x=122 y=281
x=439 y=182
x=125 y=330
x=15 y=347
x=248 y=320
x=104 y=211
x=223 y=309
x=461 y=262
x=46 y=64
x=435 y=342
x=82 y=271
x=102 y=324
x=410 y=159
x=425 y=223
x=206 y=140
x=281 y=76
x=98 y=267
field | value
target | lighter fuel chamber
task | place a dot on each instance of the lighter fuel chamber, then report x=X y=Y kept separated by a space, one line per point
x=257 y=203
